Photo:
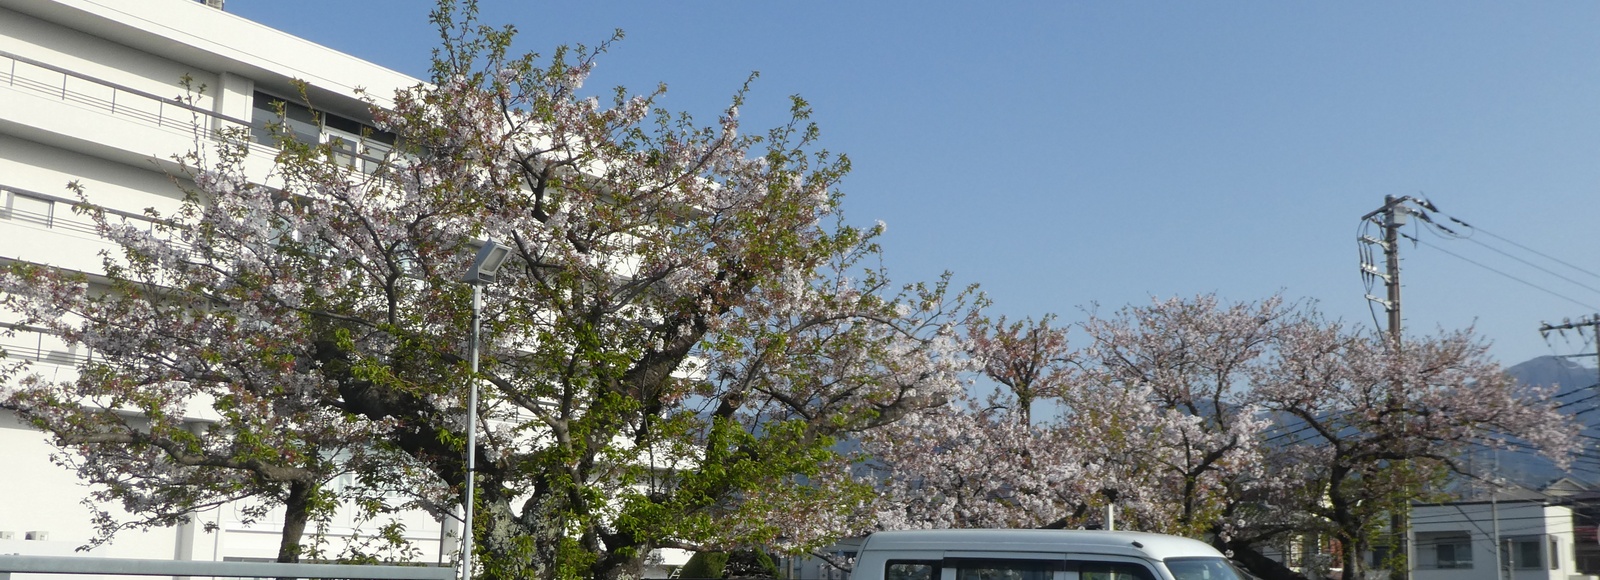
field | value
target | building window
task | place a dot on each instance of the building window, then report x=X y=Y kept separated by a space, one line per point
x=355 y=144
x=1444 y=551
x=297 y=122
x=1522 y=553
x=1456 y=554
x=1379 y=556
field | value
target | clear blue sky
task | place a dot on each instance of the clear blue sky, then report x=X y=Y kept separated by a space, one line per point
x=1064 y=154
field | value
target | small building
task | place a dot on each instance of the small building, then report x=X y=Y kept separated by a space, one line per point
x=1529 y=539
x=1584 y=499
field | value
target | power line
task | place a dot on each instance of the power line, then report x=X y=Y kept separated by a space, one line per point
x=1449 y=517
x=1570 y=391
x=1368 y=279
x=1593 y=322
x=1591 y=397
x=1427 y=213
x=1525 y=282
x=1534 y=266
x=1503 y=239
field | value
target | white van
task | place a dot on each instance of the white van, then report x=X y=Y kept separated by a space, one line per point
x=1038 y=555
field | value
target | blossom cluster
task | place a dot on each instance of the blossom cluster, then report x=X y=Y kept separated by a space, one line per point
x=1193 y=416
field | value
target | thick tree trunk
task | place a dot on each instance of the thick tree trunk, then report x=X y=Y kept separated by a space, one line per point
x=1259 y=564
x=1354 y=567
x=518 y=545
x=616 y=567
x=296 y=513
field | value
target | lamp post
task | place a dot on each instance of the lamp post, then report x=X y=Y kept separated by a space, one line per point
x=488 y=261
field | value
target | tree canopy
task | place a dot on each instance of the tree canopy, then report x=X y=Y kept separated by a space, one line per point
x=687 y=329
x=1244 y=423
x=687 y=325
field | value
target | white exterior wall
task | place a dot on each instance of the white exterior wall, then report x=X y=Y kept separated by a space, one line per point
x=84 y=53
x=57 y=128
x=1550 y=526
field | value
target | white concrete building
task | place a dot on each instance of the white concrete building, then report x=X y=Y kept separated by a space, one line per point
x=1531 y=539
x=104 y=93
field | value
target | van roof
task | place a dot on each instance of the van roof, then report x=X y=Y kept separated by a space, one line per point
x=1153 y=546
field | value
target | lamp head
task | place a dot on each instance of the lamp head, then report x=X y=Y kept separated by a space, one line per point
x=488 y=261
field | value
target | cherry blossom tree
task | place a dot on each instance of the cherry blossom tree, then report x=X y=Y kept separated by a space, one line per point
x=686 y=328
x=1247 y=423
x=976 y=464
x=1374 y=420
x=980 y=461
x=176 y=413
x=1191 y=358
x=1149 y=419
x=1028 y=358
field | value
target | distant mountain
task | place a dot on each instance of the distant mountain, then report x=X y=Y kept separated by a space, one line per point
x=1545 y=371
x=1574 y=388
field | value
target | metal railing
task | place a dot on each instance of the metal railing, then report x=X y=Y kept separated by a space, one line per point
x=38 y=351
x=150 y=108
x=115 y=98
x=54 y=218
x=15 y=564
x=58 y=214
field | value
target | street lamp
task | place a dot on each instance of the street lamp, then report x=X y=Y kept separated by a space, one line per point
x=490 y=257
x=488 y=261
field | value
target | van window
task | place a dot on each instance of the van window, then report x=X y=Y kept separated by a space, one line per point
x=1203 y=569
x=1004 y=569
x=1113 y=571
x=911 y=570
x=1021 y=569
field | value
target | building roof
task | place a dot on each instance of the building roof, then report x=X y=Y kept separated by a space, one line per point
x=1567 y=487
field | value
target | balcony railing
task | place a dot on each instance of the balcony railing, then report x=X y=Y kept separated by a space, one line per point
x=28 y=343
x=55 y=213
x=69 y=86
x=73 y=87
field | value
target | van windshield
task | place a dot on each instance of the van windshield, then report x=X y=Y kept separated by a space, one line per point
x=1203 y=569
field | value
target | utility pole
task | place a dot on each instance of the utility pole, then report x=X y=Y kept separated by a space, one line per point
x=1392 y=220
x=1394 y=215
x=1494 y=512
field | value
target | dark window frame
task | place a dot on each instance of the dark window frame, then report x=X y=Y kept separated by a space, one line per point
x=1207 y=560
x=1081 y=566
x=934 y=567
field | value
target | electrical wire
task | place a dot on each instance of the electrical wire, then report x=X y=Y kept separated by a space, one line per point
x=1536 y=252
x=1448 y=517
x=1443 y=231
x=1368 y=279
x=1534 y=266
x=1469 y=233
x=1574 y=390
x=1591 y=397
x=1525 y=282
